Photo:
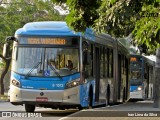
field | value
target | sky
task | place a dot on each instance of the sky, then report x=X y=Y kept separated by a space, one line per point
x=61 y=10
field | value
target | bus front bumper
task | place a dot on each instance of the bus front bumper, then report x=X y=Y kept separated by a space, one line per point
x=136 y=95
x=19 y=96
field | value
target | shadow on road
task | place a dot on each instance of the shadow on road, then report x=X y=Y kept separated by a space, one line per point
x=135 y=100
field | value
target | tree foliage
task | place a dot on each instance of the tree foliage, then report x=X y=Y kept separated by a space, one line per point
x=15 y=13
x=147 y=29
x=83 y=13
x=118 y=18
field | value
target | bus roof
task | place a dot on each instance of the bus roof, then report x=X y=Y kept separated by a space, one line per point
x=60 y=28
x=46 y=28
x=150 y=59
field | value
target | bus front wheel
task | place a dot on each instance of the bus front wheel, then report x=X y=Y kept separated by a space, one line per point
x=29 y=108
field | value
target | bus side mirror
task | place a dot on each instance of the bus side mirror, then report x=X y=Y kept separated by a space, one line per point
x=6 y=49
x=11 y=38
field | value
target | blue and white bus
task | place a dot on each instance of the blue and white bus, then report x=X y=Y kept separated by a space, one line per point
x=142 y=77
x=99 y=73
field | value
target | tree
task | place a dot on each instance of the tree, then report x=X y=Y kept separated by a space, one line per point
x=7 y=60
x=82 y=14
x=15 y=13
x=119 y=18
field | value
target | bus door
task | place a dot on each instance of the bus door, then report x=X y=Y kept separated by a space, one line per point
x=127 y=77
x=97 y=73
x=119 y=75
x=146 y=79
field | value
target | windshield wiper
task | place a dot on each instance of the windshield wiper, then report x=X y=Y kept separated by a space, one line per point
x=55 y=71
x=34 y=67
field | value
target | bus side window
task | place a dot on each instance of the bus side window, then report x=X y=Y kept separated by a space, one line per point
x=111 y=63
x=102 y=62
x=87 y=61
x=108 y=62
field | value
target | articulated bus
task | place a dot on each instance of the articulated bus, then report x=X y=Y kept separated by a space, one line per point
x=142 y=77
x=89 y=69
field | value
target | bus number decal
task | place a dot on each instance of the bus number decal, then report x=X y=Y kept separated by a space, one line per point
x=57 y=85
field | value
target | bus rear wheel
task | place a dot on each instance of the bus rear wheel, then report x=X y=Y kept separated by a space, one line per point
x=108 y=97
x=90 y=98
x=89 y=102
x=29 y=108
x=124 y=96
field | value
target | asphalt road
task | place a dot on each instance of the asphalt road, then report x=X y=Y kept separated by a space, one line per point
x=142 y=110
x=18 y=112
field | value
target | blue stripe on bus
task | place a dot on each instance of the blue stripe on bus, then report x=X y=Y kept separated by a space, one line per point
x=52 y=83
x=84 y=92
x=133 y=88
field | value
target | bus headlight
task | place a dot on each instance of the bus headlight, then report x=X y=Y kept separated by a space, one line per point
x=72 y=83
x=15 y=83
x=139 y=88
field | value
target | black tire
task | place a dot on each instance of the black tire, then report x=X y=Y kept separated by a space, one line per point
x=108 y=96
x=62 y=108
x=151 y=94
x=90 y=98
x=29 y=108
x=80 y=108
x=124 y=95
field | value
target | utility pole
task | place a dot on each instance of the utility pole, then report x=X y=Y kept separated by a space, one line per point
x=157 y=81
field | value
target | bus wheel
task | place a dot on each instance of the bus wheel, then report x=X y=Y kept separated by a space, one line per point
x=80 y=108
x=29 y=108
x=151 y=94
x=62 y=108
x=107 y=96
x=124 y=96
x=90 y=100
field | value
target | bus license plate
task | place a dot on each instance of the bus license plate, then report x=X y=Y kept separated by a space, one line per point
x=41 y=99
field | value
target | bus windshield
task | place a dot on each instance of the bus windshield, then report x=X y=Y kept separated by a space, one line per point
x=136 y=75
x=136 y=72
x=135 y=65
x=136 y=78
x=136 y=82
x=46 y=61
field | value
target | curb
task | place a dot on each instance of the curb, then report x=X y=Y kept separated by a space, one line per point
x=4 y=101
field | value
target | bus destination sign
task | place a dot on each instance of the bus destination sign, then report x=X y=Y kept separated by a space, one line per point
x=53 y=41
x=133 y=59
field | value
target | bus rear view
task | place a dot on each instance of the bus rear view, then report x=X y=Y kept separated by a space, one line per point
x=142 y=77
x=136 y=82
